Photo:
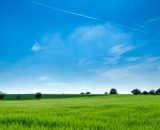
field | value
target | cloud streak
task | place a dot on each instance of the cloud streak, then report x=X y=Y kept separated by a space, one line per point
x=146 y=68
x=121 y=49
x=84 y=16
x=153 y=20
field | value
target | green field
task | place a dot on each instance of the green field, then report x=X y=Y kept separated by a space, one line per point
x=110 y=112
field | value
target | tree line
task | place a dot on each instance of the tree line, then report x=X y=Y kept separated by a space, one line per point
x=112 y=91
x=38 y=95
x=151 y=92
x=134 y=92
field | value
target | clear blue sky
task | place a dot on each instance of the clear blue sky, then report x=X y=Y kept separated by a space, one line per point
x=73 y=46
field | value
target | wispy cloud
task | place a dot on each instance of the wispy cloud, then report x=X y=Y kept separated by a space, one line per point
x=85 y=61
x=117 y=51
x=140 y=26
x=118 y=73
x=85 y=16
x=112 y=60
x=146 y=68
x=132 y=59
x=101 y=34
x=153 y=20
x=121 y=49
x=36 y=47
x=152 y=59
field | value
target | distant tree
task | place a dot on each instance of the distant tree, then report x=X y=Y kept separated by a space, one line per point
x=158 y=91
x=136 y=91
x=2 y=95
x=144 y=92
x=18 y=97
x=82 y=93
x=105 y=92
x=88 y=93
x=152 y=92
x=113 y=91
x=38 y=95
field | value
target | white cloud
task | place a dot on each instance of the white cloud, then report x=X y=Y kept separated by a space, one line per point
x=36 y=47
x=97 y=41
x=44 y=78
x=99 y=34
x=89 y=34
x=84 y=42
x=89 y=46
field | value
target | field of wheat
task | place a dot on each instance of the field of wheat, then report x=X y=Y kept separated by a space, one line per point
x=110 y=112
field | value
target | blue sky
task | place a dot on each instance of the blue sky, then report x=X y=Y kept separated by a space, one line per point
x=75 y=46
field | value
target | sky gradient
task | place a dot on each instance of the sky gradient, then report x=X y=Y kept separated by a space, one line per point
x=78 y=46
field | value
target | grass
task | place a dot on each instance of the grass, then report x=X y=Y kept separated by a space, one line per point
x=111 y=112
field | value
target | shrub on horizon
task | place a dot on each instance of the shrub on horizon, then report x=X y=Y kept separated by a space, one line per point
x=152 y=92
x=144 y=92
x=136 y=91
x=158 y=91
x=113 y=91
x=88 y=93
x=2 y=95
x=38 y=95
x=106 y=93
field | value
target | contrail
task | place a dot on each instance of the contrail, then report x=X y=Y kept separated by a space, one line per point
x=64 y=11
x=130 y=28
x=82 y=15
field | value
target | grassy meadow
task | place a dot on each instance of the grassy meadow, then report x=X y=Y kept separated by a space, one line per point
x=108 y=112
